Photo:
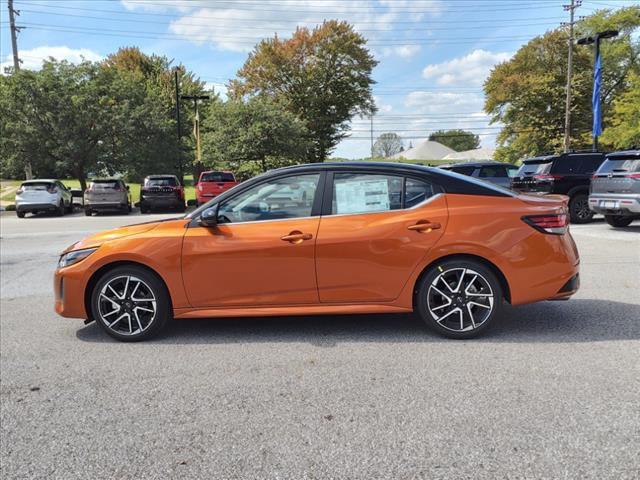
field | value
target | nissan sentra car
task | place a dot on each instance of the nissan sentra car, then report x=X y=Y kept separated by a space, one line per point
x=364 y=238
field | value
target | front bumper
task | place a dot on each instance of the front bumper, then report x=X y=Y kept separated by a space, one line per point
x=68 y=287
x=615 y=204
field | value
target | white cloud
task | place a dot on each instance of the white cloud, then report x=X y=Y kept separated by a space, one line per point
x=218 y=88
x=443 y=102
x=32 y=58
x=239 y=27
x=402 y=51
x=471 y=69
x=156 y=6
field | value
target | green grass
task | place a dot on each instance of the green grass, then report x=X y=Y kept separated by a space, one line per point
x=134 y=188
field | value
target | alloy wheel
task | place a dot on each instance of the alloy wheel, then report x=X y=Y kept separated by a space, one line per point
x=460 y=299
x=127 y=305
x=582 y=210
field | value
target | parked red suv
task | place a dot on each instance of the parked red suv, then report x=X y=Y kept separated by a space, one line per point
x=211 y=184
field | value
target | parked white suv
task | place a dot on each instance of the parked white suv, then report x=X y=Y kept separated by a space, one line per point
x=43 y=196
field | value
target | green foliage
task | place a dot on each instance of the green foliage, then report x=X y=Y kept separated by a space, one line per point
x=624 y=130
x=458 y=140
x=252 y=136
x=527 y=93
x=323 y=76
x=387 y=144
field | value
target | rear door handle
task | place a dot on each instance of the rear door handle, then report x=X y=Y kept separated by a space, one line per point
x=424 y=226
x=296 y=237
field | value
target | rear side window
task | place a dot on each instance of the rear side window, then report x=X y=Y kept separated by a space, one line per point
x=161 y=182
x=217 y=177
x=630 y=165
x=493 y=171
x=464 y=170
x=364 y=193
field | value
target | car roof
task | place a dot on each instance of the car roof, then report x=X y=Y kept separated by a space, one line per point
x=551 y=157
x=486 y=163
x=624 y=154
x=106 y=180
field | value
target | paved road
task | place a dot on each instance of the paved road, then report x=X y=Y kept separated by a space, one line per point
x=551 y=392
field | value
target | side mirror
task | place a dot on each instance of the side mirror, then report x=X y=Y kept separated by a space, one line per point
x=209 y=217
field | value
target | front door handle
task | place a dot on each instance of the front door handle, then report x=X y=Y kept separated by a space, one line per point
x=424 y=226
x=296 y=237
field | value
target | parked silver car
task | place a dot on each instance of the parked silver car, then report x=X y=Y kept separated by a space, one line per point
x=109 y=194
x=44 y=195
x=495 y=172
x=615 y=188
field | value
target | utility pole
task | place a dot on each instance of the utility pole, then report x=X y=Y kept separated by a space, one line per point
x=371 y=118
x=196 y=128
x=14 y=34
x=180 y=166
x=567 y=115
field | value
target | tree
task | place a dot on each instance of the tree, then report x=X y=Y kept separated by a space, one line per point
x=458 y=140
x=323 y=76
x=624 y=130
x=257 y=133
x=70 y=120
x=527 y=92
x=387 y=144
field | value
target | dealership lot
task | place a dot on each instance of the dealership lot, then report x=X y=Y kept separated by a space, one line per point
x=550 y=392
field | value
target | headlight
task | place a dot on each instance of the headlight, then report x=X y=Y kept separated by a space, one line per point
x=74 y=256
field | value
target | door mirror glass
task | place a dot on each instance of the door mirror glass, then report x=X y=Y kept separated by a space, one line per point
x=209 y=217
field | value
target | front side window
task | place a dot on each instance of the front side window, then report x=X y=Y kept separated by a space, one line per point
x=365 y=193
x=277 y=199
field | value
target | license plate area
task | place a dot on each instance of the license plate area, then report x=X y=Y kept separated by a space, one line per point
x=611 y=204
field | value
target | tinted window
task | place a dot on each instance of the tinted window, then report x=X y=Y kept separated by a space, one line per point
x=512 y=170
x=289 y=197
x=620 y=165
x=416 y=192
x=577 y=164
x=217 y=177
x=363 y=193
x=36 y=186
x=493 y=171
x=464 y=170
x=161 y=182
x=534 y=168
x=105 y=185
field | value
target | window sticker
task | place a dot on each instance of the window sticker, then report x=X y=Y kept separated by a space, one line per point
x=362 y=196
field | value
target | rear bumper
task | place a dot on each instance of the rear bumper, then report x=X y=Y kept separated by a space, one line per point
x=105 y=206
x=32 y=207
x=615 y=204
x=161 y=202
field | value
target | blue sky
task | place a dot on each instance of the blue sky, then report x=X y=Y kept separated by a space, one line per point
x=434 y=54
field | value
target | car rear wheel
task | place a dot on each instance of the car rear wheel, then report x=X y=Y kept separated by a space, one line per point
x=130 y=303
x=61 y=209
x=459 y=298
x=618 y=221
x=87 y=212
x=579 y=210
x=20 y=214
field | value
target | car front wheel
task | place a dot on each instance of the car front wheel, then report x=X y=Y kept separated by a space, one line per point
x=618 y=221
x=459 y=298
x=130 y=303
x=579 y=210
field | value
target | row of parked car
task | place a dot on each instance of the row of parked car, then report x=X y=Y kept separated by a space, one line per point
x=113 y=195
x=594 y=182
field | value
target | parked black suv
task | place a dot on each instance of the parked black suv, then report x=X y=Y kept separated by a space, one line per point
x=565 y=174
x=161 y=191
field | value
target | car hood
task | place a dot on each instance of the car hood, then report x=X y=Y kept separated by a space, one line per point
x=101 y=237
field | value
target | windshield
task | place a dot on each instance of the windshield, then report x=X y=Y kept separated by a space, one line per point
x=621 y=165
x=534 y=168
x=161 y=182
x=217 y=177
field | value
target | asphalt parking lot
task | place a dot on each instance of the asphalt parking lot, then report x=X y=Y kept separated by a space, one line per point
x=551 y=392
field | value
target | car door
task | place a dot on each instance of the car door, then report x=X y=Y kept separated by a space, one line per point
x=261 y=252
x=374 y=231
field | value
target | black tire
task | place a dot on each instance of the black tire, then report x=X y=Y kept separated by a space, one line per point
x=458 y=319
x=618 y=221
x=144 y=209
x=88 y=212
x=579 y=210
x=20 y=214
x=151 y=282
x=182 y=208
x=61 y=209
x=130 y=208
x=125 y=210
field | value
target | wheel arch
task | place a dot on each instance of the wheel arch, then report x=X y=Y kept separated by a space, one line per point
x=95 y=277
x=506 y=290
x=578 y=190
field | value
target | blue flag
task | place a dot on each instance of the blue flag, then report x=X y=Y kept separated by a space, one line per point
x=595 y=99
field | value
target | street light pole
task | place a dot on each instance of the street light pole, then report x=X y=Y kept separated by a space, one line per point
x=597 y=80
x=196 y=126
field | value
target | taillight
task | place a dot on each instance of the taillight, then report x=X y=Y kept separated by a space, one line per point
x=52 y=189
x=200 y=186
x=635 y=176
x=553 y=224
x=547 y=176
x=20 y=191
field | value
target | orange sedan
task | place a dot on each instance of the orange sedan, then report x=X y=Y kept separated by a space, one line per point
x=331 y=238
